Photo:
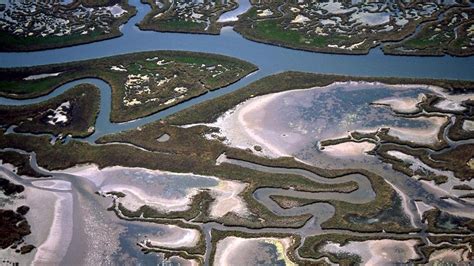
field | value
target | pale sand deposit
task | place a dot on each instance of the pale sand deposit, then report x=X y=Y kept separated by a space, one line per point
x=402 y=105
x=421 y=135
x=468 y=125
x=378 y=252
x=41 y=76
x=135 y=198
x=442 y=190
x=150 y=187
x=453 y=100
x=53 y=184
x=247 y=124
x=230 y=249
x=242 y=132
x=300 y=19
x=8 y=166
x=422 y=208
x=227 y=199
x=449 y=256
x=416 y=164
x=183 y=262
x=349 y=149
x=89 y=171
x=173 y=237
x=59 y=237
x=449 y=105
x=50 y=218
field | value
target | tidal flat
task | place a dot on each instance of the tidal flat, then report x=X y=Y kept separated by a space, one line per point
x=295 y=168
x=146 y=154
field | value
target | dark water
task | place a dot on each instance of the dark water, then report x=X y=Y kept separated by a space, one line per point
x=270 y=59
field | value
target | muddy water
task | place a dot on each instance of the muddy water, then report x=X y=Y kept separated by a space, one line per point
x=96 y=236
x=100 y=237
x=115 y=242
x=321 y=211
x=289 y=122
x=293 y=123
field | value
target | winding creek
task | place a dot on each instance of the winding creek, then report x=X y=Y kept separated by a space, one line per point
x=118 y=233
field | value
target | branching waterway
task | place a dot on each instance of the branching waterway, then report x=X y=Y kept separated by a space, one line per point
x=79 y=220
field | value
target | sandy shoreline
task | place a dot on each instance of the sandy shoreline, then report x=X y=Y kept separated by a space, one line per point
x=227 y=199
x=242 y=126
x=378 y=252
x=230 y=247
x=139 y=193
x=53 y=249
x=401 y=105
x=175 y=237
x=53 y=184
x=349 y=149
x=418 y=135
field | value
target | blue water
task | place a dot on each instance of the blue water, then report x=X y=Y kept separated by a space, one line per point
x=270 y=60
x=232 y=15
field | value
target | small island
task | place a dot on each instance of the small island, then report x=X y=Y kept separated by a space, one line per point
x=207 y=188
x=186 y=16
x=412 y=28
x=31 y=26
x=141 y=83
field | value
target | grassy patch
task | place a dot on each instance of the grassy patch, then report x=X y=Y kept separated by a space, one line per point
x=132 y=96
x=10 y=42
x=81 y=115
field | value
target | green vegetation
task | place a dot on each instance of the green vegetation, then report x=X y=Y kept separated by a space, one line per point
x=74 y=152
x=188 y=17
x=79 y=106
x=343 y=210
x=340 y=27
x=450 y=34
x=99 y=31
x=291 y=202
x=271 y=31
x=312 y=245
x=189 y=151
x=455 y=160
x=13 y=227
x=194 y=252
x=456 y=131
x=199 y=206
x=142 y=83
x=218 y=235
x=9 y=188
x=20 y=161
x=463 y=187
x=442 y=222
x=208 y=112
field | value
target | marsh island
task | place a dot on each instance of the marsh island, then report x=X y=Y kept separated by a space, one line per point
x=227 y=177
x=135 y=143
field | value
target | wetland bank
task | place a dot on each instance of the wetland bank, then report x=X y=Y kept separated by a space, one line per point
x=226 y=180
x=112 y=155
